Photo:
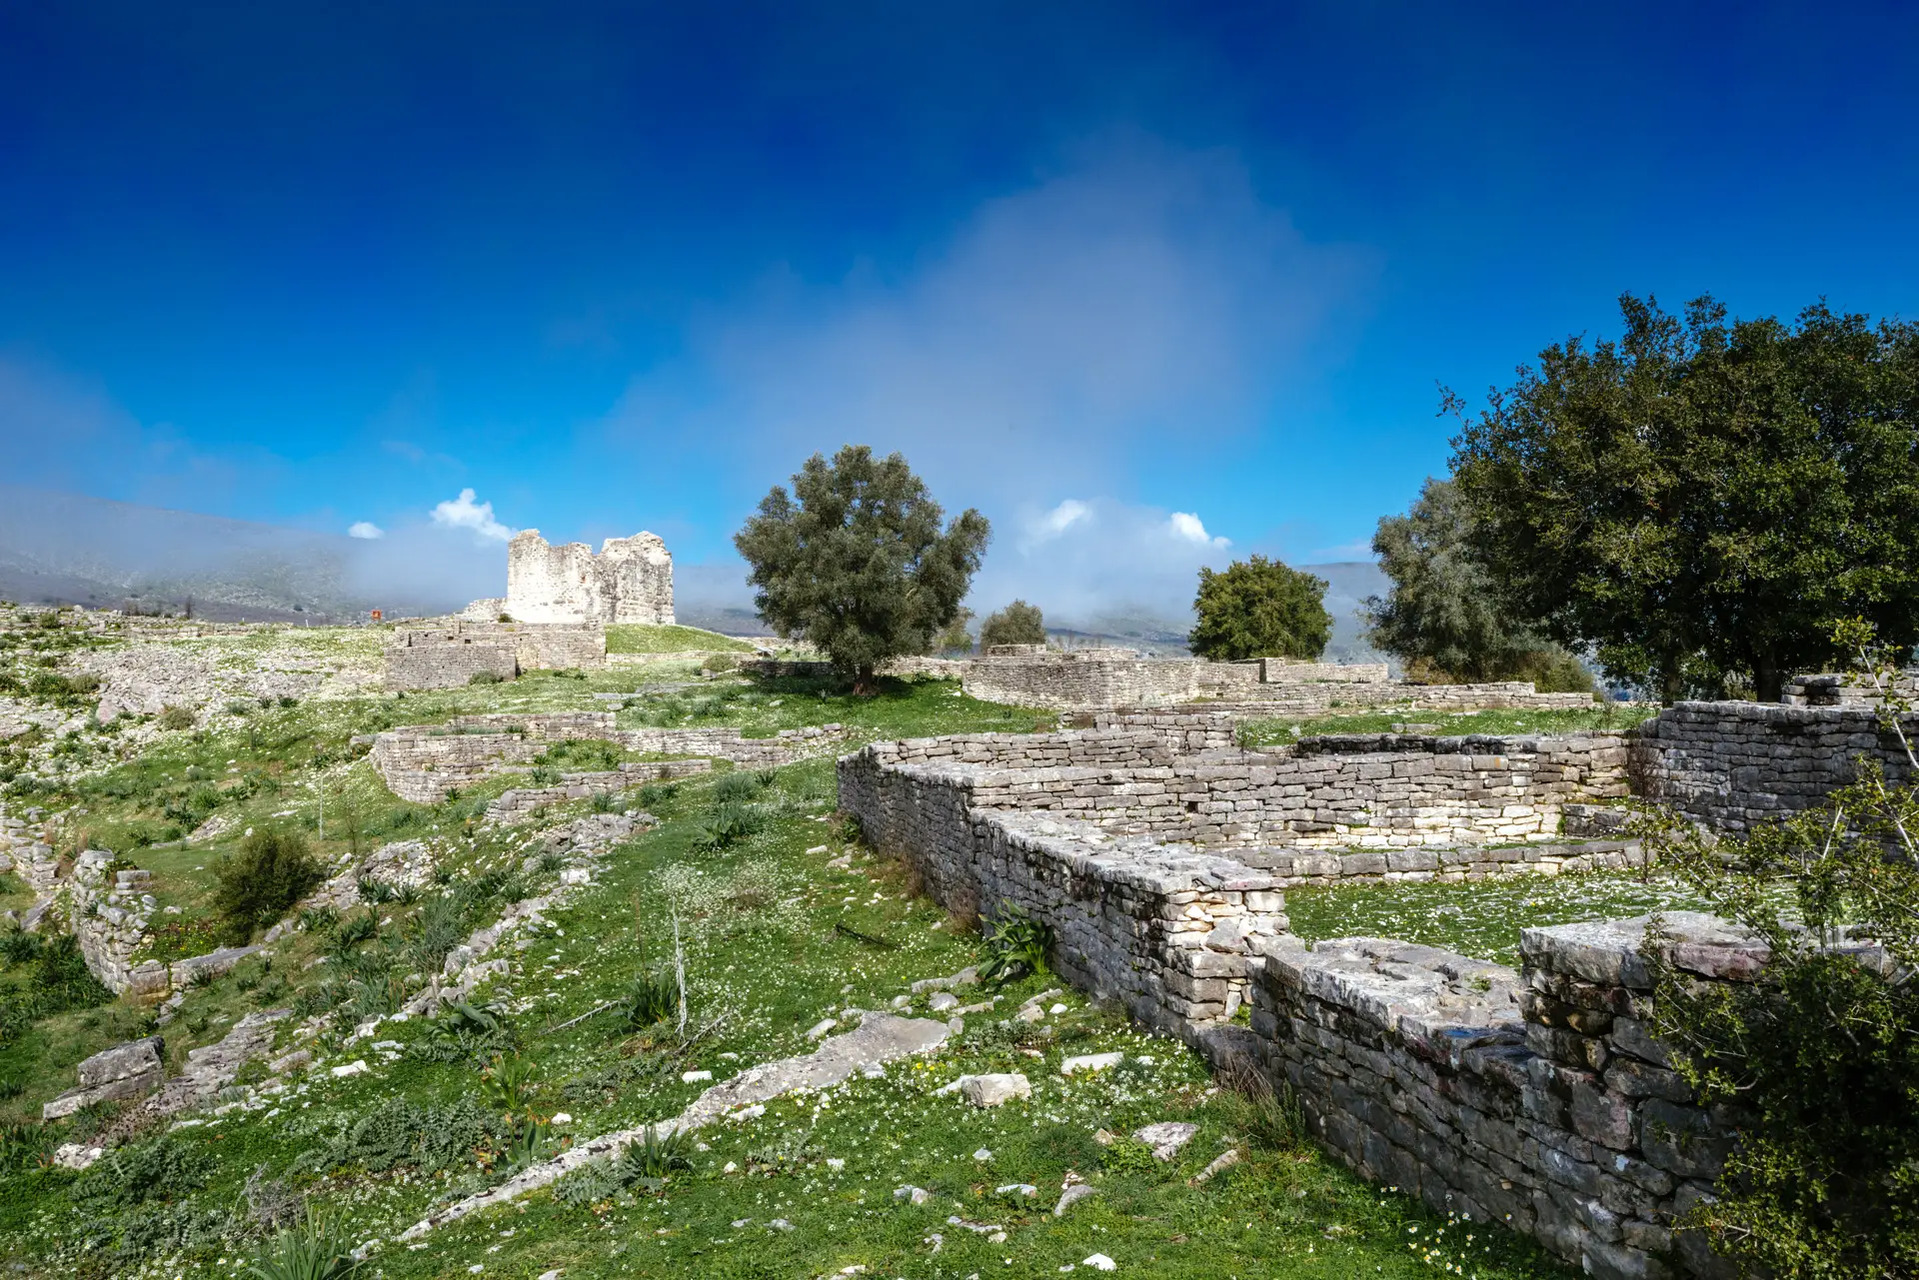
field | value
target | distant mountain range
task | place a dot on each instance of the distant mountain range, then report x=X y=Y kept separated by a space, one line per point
x=61 y=548
x=71 y=549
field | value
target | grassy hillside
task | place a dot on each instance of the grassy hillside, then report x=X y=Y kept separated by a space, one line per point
x=780 y=921
x=638 y=638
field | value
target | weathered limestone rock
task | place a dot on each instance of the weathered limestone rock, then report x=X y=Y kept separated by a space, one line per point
x=130 y=1070
x=993 y=1090
x=880 y=1038
x=1167 y=1138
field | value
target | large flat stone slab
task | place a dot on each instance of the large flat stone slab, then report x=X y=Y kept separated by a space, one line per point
x=880 y=1038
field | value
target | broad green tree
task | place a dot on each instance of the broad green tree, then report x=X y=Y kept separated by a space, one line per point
x=859 y=560
x=1444 y=616
x=1700 y=500
x=1017 y=623
x=1260 y=608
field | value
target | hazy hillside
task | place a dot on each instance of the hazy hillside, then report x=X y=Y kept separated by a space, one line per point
x=62 y=548
x=69 y=548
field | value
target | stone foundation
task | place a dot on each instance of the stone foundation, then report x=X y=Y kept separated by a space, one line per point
x=520 y=803
x=110 y=913
x=449 y=657
x=426 y=762
x=1380 y=793
x=1536 y=1099
x=1734 y=764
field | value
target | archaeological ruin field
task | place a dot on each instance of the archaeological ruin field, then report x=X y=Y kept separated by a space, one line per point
x=686 y=961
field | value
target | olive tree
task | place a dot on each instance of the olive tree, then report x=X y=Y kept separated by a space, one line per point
x=1017 y=623
x=1701 y=500
x=1260 y=608
x=1444 y=616
x=859 y=560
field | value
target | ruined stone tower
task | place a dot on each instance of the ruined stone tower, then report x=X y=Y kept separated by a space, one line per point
x=631 y=580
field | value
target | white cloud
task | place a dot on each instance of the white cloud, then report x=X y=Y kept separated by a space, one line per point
x=365 y=529
x=1057 y=521
x=465 y=513
x=1098 y=558
x=1076 y=328
x=1186 y=525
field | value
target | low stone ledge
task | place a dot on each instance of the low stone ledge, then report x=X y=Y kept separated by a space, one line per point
x=130 y=1070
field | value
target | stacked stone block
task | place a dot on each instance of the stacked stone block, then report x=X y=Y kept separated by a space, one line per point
x=1325 y=794
x=425 y=762
x=629 y=581
x=1165 y=931
x=446 y=658
x=110 y=912
x=1080 y=679
x=1536 y=1100
x=1733 y=765
x=520 y=802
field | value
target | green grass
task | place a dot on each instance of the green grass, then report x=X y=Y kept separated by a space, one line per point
x=759 y=920
x=901 y=708
x=758 y=924
x=639 y=638
x=1479 y=918
x=1497 y=723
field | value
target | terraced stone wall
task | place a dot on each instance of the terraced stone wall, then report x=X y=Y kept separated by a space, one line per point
x=520 y=802
x=110 y=912
x=1734 y=764
x=450 y=656
x=1080 y=679
x=1535 y=1099
x=1166 y=932
x=424 y=763
x=1329 y=793
x=446 y=659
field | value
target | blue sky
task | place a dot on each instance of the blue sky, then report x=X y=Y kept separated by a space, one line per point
x=1151 y=285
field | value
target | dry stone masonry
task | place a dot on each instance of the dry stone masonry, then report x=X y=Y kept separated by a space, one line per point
x=425 y=763
x=449 y=656
x=1158 y=854
x=630 y=580
x=1734 y=764
x=1534 y=1099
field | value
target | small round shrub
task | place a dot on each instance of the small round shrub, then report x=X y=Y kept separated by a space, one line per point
x=272 y=871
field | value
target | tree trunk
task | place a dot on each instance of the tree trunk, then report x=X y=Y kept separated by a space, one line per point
x=1768 y=681
x=864 y=683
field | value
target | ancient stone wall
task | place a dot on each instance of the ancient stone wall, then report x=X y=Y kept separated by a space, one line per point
x=425 y=762
x=1420 y=792
x=26 y=850
x=446 y=658
x=519 y=803
x=1836 y=690
x=1081 y=679
x=1536 y=1100
x=541 y=726
x=450 y=656
x=629 y=581
x=725 y=743
x=910 y=665
x=1734 y=764
x=1164 y=931
x=1322 y=696
x=109 y=912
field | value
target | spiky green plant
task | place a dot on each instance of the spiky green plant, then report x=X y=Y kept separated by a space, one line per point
x=314 y=1249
